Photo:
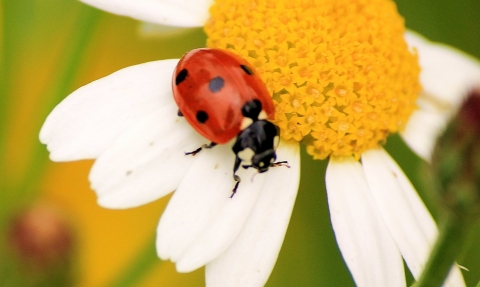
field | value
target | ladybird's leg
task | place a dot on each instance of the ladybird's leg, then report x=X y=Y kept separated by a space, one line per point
x=179 y=113
x=210 y=145
x=280 y=163
x=236 y=177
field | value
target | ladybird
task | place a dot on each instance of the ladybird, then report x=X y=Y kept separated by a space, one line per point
x=222 y=98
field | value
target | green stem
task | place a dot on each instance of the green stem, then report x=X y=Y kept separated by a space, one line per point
x=14 y=19
x=450 y=244
x=17 y=193
x=139 y=267
x=76 y=49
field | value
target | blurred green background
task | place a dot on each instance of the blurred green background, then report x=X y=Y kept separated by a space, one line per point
x=41 y=40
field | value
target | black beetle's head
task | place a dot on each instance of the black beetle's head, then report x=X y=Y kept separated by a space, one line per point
x=262 y=161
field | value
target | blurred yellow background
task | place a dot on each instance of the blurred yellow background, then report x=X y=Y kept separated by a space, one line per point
x=36 y=37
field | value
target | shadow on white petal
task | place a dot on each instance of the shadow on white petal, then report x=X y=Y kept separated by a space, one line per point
x=422 y=130
x=403 y=211
x=366 y=244
x=251 y=257
x=87 y=122
x=181 y=13
x=146 y=162
x=447 y=73
x=201 y=220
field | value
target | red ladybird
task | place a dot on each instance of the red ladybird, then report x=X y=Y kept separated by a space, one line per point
x=222 y=97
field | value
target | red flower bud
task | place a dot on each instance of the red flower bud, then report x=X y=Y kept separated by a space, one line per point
x=456 y=159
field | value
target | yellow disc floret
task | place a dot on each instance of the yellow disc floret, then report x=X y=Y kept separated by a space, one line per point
x=340 y=73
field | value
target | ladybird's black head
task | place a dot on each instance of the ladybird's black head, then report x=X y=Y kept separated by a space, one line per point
x=252 y=109
x=255 y=146
x=262 y=161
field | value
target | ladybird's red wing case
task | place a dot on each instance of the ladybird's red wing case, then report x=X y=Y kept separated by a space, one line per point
x=210 y=87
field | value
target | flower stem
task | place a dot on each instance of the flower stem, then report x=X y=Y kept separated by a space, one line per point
x=139 y=267
x=13 y=22
x=70 y=66
x=450 y=244
x=18 y=192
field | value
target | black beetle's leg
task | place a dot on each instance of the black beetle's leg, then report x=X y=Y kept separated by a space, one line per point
x=179 y=113
x=210 y=145
x=280 y=163
x=236 y=177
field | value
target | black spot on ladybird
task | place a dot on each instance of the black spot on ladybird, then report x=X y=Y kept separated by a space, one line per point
x=216 y=84
x=246 y=69
x=202 y=117
x=181 y=76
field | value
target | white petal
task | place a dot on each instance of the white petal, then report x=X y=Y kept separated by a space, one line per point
x=447 y=73
x=201 y=221
x=422 y=130
x=181 y=13
x=403 y=211
x=251 y=257
x=366 y=244
x=146 y=162
x=84 y=124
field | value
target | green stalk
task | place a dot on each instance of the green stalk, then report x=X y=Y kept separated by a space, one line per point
x=139 y=267
x=71 y=63
x=14 y=19
x=17 y=193
x=450 y=244
x=69 y=68
x=455 y=178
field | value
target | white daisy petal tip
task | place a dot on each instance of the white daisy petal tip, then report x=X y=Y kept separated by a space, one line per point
x=180 y=13
x=115 y=201
x=58 y=146
x=86 y=122
x=187 y=266
x=448 y=74
x=112 y=202
x=422 y=130
x=46 y=139
x=161 y=248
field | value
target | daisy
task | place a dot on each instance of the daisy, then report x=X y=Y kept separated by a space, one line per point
x=342 y=78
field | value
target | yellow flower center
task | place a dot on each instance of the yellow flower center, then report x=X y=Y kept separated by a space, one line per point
x=340 y=73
